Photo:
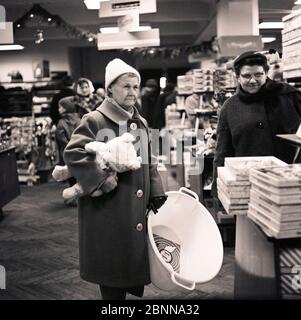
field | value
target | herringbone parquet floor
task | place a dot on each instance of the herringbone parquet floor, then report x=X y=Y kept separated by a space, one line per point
x=39 y=250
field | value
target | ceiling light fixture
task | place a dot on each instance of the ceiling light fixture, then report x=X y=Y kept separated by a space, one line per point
x=93 y=4
x=271 y=25
x=268 y=39
x=11 y=47
x=39 y=37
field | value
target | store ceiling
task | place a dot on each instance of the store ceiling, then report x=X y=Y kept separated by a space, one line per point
x=181 y=22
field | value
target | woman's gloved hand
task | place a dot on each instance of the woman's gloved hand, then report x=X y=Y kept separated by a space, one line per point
x=156 y=203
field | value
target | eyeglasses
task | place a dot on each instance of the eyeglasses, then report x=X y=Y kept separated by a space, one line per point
x=256 y=76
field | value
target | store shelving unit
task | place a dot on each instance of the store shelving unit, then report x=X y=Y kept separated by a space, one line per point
x=9 y=186
x=291 y=42
x=24 y=109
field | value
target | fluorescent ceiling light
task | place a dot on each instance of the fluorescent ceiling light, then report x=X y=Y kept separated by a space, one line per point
x=271 y=25
x=11 y=47
x=109 y=30
x=93 y=4
x=268 y=39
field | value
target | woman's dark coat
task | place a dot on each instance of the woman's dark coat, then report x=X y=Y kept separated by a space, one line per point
x=248 y=124
x=112 y=244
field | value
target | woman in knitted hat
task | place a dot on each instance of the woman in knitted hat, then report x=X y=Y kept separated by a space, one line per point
x=112 y=227
x=261 y=108
x=85 y=100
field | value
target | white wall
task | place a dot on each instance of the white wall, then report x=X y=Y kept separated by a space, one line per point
x=56 y=52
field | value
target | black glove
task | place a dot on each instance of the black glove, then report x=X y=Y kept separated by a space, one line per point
x=156 y=203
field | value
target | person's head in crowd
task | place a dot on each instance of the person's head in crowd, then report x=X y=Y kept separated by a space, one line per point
x=251 y=69
x=122 y=83
x=169 y=88
x=84 y=87
x=101 y=93
x=67 y=81
x=151 y=86
x=66 y=105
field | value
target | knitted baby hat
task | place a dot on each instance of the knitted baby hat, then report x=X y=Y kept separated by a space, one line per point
x=68 y=104
x=116 y=68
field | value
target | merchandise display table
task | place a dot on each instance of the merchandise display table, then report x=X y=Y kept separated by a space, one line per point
x=9 y=184
x=265 y=267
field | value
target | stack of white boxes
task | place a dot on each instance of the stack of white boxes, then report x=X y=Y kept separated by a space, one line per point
x=185 y=84
x=224 y=79
x=275 y=202
x=233 y=183
x=291 y=43
x=203 y=80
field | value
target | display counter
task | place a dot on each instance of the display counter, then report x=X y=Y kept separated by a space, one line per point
x=265 y=267
x=9 y=184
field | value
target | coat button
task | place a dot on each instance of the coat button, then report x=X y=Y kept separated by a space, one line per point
x=133 y=126
x=139 y=193
x=139 y=227
x=260 y=124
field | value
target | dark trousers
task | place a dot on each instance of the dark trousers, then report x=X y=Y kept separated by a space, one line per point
x=109 y=293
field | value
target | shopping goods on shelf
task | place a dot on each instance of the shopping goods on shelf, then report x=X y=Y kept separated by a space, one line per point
x=275 y=202
x=203 y=80
x=185 y=84
x=291 y=39
x=224 y=79
x=34 y=140
x=233 y=183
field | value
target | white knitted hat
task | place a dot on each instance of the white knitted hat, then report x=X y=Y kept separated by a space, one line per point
x=116 y=68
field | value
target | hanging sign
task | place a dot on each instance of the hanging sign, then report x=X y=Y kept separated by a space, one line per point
x=231 y=46
x=128 y=22
x=114 y=8
x=128 y=40
x=6 y=33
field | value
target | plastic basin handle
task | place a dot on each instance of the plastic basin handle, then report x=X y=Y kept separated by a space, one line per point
x=193 y=194
x=176 y=281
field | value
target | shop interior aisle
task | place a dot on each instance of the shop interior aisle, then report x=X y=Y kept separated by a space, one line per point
x=39 y=249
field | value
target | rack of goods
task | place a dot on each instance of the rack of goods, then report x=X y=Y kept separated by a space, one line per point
x=41 y=99
x=275 y=203
x=25 y=125
x=233 y=182
x=291 y=42
x=271 y=232
x=34 y=142
x=15 y=102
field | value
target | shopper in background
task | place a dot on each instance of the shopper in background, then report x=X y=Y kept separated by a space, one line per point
x=69 y=120
x=159 y=110
x=191 y=103
x=112 y=227
x=261 y=108
x=101 y=94
x=85 y=100
x=66 y=91
x=149 y=97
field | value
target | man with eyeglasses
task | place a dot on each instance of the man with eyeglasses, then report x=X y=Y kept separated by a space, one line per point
x=259 y=110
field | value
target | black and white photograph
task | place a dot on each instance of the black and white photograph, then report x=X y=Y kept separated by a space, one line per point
x=150 y=151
